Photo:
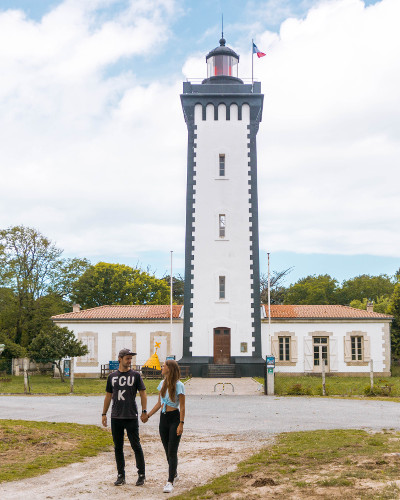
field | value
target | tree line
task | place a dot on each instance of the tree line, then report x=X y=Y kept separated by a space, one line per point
x=37 y=282
x=382 y=290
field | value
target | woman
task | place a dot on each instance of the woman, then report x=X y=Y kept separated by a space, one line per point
x=171 y=396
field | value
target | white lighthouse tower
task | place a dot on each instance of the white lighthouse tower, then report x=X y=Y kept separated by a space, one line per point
x=222 y=320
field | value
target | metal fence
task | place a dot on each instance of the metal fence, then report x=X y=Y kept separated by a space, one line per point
x=146 y=372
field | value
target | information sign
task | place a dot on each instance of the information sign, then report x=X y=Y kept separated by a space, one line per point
x=113 y=365
x=67 y=367
x=271 y=361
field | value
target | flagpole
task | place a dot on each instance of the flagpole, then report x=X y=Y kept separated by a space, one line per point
x=170 y=286
x=269 y=306
x=252 y=57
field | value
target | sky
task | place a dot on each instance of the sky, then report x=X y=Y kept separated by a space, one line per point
x=93 y=140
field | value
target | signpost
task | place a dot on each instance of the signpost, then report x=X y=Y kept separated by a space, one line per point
x=270 y=382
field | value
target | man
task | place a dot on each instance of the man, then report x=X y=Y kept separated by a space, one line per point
x=122 y=386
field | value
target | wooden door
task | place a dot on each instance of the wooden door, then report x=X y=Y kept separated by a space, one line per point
x=222 y=346
x=321 y=349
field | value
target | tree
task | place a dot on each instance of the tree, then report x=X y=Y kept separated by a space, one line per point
x=178 y=287
x=53 y=344
x=11 y=350
x=320 y=289
x=108 y=284
x=395 y=310
x=382 y=304
x=277 y=290
x=31 y=267
x=365 y=287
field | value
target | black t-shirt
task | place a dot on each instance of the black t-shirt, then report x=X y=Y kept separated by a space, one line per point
x=124 y=386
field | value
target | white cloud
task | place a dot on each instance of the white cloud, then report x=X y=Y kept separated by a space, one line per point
x=98 y=162
x=329 y=143
x=93 y=162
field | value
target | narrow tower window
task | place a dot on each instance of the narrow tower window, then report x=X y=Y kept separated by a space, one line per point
x=222 y=225
x=222 y=165
x=222 y=287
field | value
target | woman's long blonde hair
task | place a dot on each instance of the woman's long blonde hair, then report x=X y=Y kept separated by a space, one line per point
x=171 y=379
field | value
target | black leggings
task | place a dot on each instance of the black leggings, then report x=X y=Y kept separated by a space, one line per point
x=169 y=422
x=118 y=425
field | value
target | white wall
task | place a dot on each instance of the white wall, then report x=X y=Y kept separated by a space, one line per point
x=374 y=330
x=215 y=256
x=143 y=330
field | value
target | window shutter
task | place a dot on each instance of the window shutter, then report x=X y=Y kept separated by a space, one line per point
x=367 y=349
x=333 y=355
x=275 y=348
x=90 y=345
x=308 y=354
x=293 y=349
x=84 y=341
x=347 y=349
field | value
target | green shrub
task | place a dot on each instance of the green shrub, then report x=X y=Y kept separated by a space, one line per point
x=383 y=389
x=299 y=390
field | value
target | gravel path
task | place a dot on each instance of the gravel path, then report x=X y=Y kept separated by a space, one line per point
x=220 y=430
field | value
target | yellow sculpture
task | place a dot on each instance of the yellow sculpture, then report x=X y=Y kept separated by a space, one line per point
x=153 y=362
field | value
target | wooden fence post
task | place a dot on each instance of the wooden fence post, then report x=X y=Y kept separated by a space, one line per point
x=371 y=373
x=71 y=374
x=322 y=361
x=25 y=363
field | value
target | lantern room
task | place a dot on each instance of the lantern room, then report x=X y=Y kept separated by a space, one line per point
x=222 y=62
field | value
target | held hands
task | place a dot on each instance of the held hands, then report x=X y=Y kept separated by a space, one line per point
x=144 y=417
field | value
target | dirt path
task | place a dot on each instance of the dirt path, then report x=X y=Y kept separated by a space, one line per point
x=201 y=458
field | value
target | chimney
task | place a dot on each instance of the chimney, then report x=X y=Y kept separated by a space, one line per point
x=370 y=307
x=76 y=308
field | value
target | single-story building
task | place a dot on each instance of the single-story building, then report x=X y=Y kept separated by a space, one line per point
x=297 y=335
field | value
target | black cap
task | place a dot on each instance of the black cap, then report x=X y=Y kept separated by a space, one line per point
x=126 y=352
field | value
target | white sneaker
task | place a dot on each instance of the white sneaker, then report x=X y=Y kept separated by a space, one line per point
x=168 y=487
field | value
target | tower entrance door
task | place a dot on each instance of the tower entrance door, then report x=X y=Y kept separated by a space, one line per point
x=222 y=346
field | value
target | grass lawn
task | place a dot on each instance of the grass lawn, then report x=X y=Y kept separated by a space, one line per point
x=335 y=386
x=45 y=384
x=28 y=449
x=348 y=464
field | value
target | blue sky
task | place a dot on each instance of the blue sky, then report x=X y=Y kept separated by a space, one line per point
x=93 y=141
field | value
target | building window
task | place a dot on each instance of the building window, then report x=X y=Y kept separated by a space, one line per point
x=222 y=225
x=356 y=348
x=284 y=348
x=222 y=287
x=222 y=165
x=323 y=343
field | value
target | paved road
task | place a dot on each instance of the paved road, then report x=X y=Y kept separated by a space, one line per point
x=257 y=415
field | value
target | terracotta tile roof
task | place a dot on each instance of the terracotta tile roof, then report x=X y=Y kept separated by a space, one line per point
x=123 y=312
x=323 y=312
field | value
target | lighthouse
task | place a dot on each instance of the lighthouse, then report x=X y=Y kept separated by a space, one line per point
x=222 y=319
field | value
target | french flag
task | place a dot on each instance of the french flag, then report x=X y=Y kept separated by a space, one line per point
x=257 y=51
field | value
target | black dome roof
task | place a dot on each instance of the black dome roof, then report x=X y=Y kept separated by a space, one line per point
x=222 y=50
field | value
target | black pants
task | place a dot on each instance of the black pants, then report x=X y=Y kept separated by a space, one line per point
x=118 y=425
x=169 y=422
